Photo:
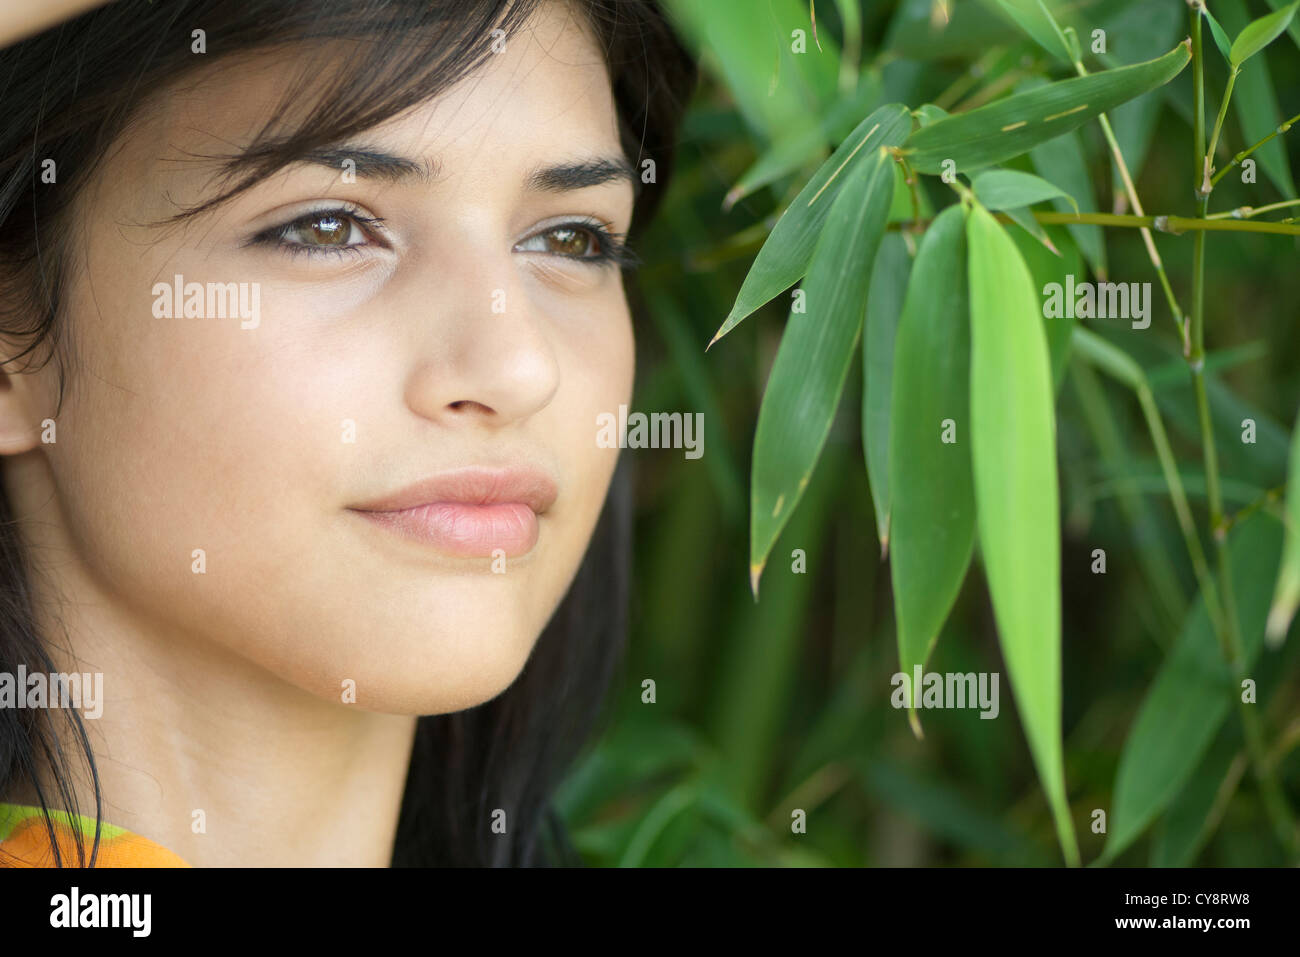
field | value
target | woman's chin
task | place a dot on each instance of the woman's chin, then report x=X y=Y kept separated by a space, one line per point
x=414 y=670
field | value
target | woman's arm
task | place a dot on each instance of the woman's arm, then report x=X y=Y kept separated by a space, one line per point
x=22 y=18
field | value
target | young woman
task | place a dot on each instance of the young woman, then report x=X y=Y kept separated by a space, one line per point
x=309 y=310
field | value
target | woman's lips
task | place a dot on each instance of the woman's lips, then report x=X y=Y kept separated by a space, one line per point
x=468 y=530
x=469 y=512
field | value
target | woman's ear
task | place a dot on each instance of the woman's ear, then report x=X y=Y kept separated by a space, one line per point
x=20 y=427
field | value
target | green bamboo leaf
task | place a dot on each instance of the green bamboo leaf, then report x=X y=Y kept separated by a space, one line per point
x=1023 y=217
x=1013 y=450
x=785 y=255
x=1292 y=28
x=776 y=89
x=1138 y=32
x=966 y=29
x=1220 y=37
x=1286 y=596
x=671 y=804
x=928 y=113
x=889 y=278
x=1009 y=189
x=933 y=504
x=782 y=158
x=760 y=645
x=1260 y=33
x=1174 y=371
x=1035 y=19
x=901 y=210
x=1255 y=103
x=813 y=359
x=702 y=391
x=1047 y=267
x=1063 y=162
x=791 y=152
x=1192 y=692
x=948 y=812
x=1191 y=818
x=1013 y=192
x=1009 y=127
x=1146 y=475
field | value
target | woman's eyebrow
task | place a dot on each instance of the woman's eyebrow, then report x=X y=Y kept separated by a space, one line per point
x=370 y=163
x=556 y=177
x=581 y=174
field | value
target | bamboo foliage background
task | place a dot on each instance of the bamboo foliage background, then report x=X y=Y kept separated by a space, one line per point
x=852 y=300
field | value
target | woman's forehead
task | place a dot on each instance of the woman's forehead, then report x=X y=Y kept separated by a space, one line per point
x=543 y=90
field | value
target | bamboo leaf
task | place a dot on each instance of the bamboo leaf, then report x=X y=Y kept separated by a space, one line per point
x=1013 y=192
x=776 y=89
x=1255 y=103
x=785 y=256
x=1062 y=161
x=1191 y=817
x=1260 y=33
x=902 y=210
x=948 y=812
x=1009 y=127
x=1286 y=596
x=1220 y=37
x=965 y=29
x=933 y=505
x=889 y=283
x=1013 y=446
x=928 y=113
x=1192 y=692
x=1033 y=17
x=1023 y=217
x=758 y=659
x=1292 y=28
x=788 y=153
x=1009 y=189
x=656 y=820
x=1136 y=32
x=1053 y=267
x=813 y=359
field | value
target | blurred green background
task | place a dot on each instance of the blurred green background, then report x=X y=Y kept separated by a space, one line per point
x=762 y=708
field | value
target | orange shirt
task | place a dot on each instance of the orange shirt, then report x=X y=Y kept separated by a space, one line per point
x=24 y=841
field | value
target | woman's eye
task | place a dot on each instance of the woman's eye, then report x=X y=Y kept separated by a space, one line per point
x=325 y=229
x=330 y=227
x=322 y=231
x=570 y=241
x=589 y=243
x=567 y=241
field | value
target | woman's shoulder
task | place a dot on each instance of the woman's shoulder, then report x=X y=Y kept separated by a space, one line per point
x=25 y=841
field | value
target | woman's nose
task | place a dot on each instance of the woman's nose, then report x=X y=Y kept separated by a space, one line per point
x=488 y=355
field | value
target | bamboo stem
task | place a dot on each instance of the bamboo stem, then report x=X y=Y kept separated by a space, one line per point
x=1230 y=638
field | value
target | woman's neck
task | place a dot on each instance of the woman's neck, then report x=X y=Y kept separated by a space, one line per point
x=213 y=756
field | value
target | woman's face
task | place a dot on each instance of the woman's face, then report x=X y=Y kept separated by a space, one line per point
x=462 y=332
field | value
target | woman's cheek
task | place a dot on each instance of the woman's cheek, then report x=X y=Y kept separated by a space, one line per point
x=175 y=441
x=602 y=372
